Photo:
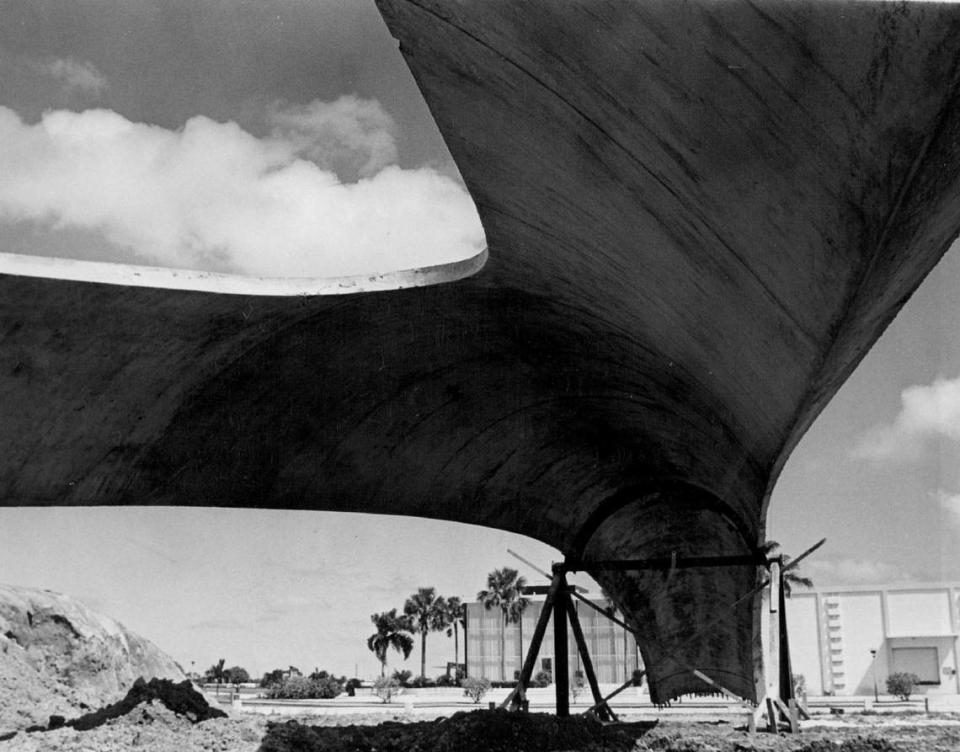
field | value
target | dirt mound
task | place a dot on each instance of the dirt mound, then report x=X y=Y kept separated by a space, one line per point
x=150 y=726
x=477 y=731
x=182 y=699
x=57 y=657
x=706 y=737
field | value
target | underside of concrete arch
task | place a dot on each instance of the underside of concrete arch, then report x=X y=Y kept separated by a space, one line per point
x=700 y=216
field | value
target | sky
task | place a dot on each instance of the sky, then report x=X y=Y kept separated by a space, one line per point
x=229 y=106
x=194 y=135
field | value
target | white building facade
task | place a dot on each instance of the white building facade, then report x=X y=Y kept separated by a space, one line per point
x=844 y=641
x=847 y=640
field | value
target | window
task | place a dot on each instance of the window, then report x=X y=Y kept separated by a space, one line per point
x=924 y=662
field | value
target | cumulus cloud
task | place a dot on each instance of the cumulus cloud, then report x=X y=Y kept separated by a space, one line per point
x=349 y=135
x=926 y=412
x=75 y=75
x=211 y=196
x=853 y=572
x=950 y=504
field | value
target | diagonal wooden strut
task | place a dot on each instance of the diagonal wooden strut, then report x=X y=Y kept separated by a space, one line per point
x=519 y=693
x=603 y=710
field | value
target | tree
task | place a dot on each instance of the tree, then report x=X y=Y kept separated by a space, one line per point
x=236 y=675
x=791 y=578
x=272 y=678
x=427 y=613
x=609 y=605
x=216 y=673
x=504 y=591
x=454 y=620
x=393 y=631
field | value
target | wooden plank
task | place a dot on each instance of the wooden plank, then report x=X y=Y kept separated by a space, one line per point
x=663 y=563
x=772 y=725
x=720 y=688
x=561 y=672
x=605 y=712
x=595 y=607
x=794 y=717
x=518 y=695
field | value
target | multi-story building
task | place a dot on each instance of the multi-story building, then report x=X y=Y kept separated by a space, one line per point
x=843 y=640
x=613 y=650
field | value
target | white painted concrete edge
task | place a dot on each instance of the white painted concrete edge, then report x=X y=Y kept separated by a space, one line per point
x=234 y=284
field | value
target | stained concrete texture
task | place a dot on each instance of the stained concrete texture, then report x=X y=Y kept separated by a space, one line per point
x=700 y=216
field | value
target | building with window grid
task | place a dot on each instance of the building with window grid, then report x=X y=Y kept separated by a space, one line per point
x=613 y=650
x=844 y=641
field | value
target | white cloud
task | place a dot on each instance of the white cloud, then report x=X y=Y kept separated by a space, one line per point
x=853 y=572
x=926 y=412
x=347 y=135
x=950 y=504
x=211 y=196
x=75 y=75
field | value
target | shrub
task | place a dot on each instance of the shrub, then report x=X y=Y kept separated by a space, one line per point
x=402 y=676
x=386 y=687
x=577 y=685
x=475 y=688
x=351 y=686
x=422 y=681
x=542 y=679
x=272 y=678
x=446 y=681
x=799 y=685
x=319 y=686
x=901 y=684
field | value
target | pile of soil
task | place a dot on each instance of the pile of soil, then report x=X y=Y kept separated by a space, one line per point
x=160 y=706
x=709 y=737
x=181 y=699
x=152 y=726
x=500 y=731
x=57 y=657
x=477 y=731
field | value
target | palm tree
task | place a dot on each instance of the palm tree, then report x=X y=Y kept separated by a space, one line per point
x=504 y=588
x=216 y=673
x=427 y=613
x=609 y=606
x=791 y=578
x=393 y=631
x=454 y=619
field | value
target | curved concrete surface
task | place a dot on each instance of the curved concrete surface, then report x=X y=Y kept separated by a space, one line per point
x=700 y=216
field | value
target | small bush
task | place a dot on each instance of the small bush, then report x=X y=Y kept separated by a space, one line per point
x=901 y=684
x=421 y=681
x=446 y=681
x=577 y=685
x=475 y=688
x=542 y=679
x=402 y=676
x=386 y=687
x=799 y=685
x=317 y=687
x=272 y=678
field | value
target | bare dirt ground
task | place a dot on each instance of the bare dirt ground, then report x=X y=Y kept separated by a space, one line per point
x=151 y=726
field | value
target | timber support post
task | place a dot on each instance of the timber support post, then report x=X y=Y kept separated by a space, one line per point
x=561 y=669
